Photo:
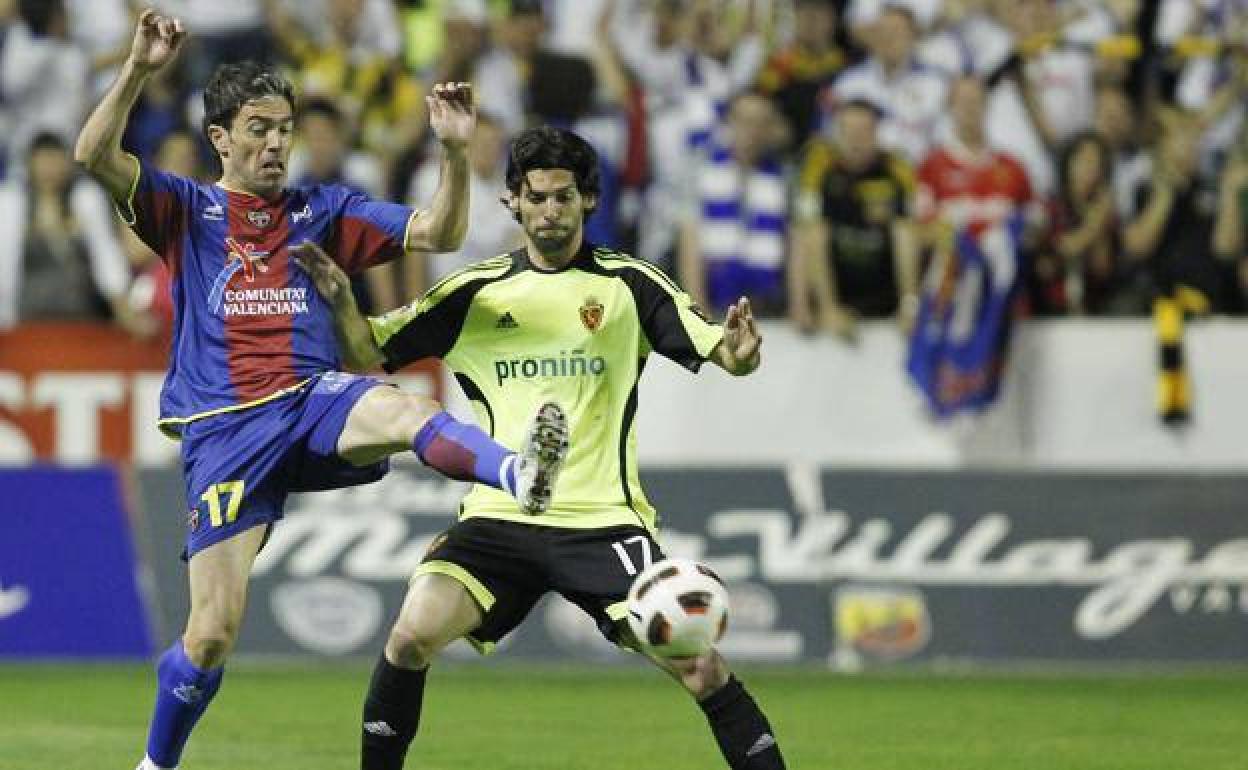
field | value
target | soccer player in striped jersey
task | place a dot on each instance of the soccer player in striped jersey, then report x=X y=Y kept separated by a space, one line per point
x=253 y=389
x=562 y=320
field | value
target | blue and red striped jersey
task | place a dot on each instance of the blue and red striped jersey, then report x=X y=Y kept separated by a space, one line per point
x=248 y=322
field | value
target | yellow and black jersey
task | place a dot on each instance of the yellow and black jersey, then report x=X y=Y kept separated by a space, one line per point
x=859 y=207
x=516 y=336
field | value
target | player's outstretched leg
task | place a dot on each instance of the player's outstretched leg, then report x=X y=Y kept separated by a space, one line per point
x=385 y=421
x=741 y=729
x=448 y=445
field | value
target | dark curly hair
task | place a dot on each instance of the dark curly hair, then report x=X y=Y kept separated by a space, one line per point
x=547 y=147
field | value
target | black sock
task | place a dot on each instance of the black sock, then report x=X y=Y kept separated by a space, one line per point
x=391 y=715
x=741 y=729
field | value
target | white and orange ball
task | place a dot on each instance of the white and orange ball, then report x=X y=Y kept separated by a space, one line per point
x=678 y=608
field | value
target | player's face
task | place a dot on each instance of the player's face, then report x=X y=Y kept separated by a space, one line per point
x=552 y=210
x=257 y=146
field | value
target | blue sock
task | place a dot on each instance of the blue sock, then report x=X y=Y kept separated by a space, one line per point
x=463 y=452
x=182 y=695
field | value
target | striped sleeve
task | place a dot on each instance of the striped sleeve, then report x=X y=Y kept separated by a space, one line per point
x=156 y=208
x=366 y=232
x=674 y=325
x=430 y=326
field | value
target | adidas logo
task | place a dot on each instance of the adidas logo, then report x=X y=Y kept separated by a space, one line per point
x=764 y=742
x=380 y=728
x=188 y=693
x=506 y=321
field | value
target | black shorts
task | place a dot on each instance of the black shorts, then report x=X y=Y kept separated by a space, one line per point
x=507 y=566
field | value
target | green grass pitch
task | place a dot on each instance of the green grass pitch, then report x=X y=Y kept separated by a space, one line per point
x=515 y=717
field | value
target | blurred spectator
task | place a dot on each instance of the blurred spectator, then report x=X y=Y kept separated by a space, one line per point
x=1228 y=236
x=423 y=34
x=733 y=241
x=1120 y=33
x=43 y=78
x=103 y=30
x=690 y=62
x=855 y=252
x=1084 y=271
x=339 y=60
x=1192 y=34
x=1042 y=90
x=1118 y=123
x=375 y=23
x=1175 y=223
x=909 y=96
x=794 y=75
x=232 y=30
x=324 y=156
x=60 y=258
x=964 y=185
x=965 y=38
x=862 y=16
x=491 y=228
x=521 y=35
x=468 y=54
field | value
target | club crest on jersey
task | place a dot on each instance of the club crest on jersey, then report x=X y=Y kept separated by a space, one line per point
x=259 y=218
x=591 y=314
x=248 y=256
x=243 y=257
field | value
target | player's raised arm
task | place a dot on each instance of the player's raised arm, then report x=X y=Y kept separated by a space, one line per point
x=157 y=39
x=442 y=225
x=740 y=350
x=355 y=338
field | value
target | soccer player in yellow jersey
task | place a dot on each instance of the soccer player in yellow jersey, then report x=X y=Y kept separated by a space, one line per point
x=557 y=321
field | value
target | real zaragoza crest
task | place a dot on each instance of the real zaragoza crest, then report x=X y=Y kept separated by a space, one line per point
x=591 y=314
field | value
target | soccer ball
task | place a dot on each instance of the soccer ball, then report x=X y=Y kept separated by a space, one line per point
x=678 y=608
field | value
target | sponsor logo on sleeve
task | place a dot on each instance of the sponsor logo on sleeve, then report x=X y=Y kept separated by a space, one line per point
x=302 y=214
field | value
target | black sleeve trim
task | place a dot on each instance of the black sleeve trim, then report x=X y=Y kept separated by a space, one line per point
x=434 y=332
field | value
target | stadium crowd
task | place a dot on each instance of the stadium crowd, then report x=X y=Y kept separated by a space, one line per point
x=824 y=157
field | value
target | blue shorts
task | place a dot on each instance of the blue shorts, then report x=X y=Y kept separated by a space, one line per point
x=239 y=466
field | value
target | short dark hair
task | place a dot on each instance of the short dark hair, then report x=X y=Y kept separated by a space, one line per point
x=547 y=147
x=859 y=103
x=233 y=85
x=324 y=107
x=47 y=140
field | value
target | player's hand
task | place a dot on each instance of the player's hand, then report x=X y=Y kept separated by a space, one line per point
x=157 y=39
x=452 y=114
x=741 y=337
x=331 y=283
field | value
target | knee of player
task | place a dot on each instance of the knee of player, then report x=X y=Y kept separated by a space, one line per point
x=412 y=411
x=412 y=646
